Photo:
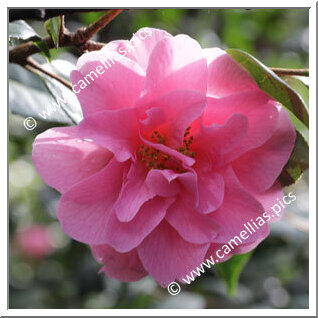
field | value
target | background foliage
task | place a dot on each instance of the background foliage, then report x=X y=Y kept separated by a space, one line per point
x=66 y=277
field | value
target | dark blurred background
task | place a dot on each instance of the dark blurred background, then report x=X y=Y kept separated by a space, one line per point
x=49 y=270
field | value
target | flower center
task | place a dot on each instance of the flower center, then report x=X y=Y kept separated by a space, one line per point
x=157 y=159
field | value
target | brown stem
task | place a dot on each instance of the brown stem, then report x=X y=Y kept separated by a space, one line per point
x=292 y=72
x=19 y=53
x=62 y=30
x=44 y=14
x=36 y=66
x=92 y=46
x=83 y=35
x=37 y=72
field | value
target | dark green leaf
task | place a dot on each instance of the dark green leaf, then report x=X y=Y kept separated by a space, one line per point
x=27 y=101
x=231 y=270
x=270 y=83
x=44 y=49
x=59 y=92
x=299 y=87
x=22 y=31
x=297 y=163
x=300 y=127
x=53 y=28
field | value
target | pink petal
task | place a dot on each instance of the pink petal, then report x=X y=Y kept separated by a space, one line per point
x=259 y=109
x=163 y=182
x=140 y=46
x=191 y=226
x=270 y=201
x=88 y=96
x=217 y=253
x=176 y=63
x=179 y=109
x=218 y=140
x=225 y=76
x=84 y=209
x=258 y=169
x=62 y=159
x=119 y=78
x=133 y=194
x=122 y=266
x=238 y=208
x=167 y=257
x=167 y=183
x=124 y=236
x=211 y=191
x=115 y=130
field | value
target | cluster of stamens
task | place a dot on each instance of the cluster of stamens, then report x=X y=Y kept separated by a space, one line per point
x=156 y=159
x=187 y=142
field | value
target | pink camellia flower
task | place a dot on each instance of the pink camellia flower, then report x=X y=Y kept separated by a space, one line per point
x=178 y=149
x=34 y=242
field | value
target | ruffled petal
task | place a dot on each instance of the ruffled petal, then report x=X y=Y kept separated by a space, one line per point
x=115 y=130
x=119 y=81
x=124 y=236
x=211 y=191
x=84 y=210
x=273 y=202
x=133 y=194
x=176 y=63
x=62 y=159
x=238 y=208
x=125 y=267
x=225 y=76
x=218 y=140
x=258 y=169
x=163 y=182
x=167 y=256
x=172 y=114
x=260 y=111
x=191 y=226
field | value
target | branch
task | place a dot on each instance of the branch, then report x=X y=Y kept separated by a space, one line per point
x=292 y=72
x=62 y=29
x=19 y=53
x=33 y=64
x=83 y=35
x=37 y=72
x=44 y=14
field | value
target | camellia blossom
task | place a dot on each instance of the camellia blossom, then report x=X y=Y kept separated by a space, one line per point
x=178 y=149
x=34 y=242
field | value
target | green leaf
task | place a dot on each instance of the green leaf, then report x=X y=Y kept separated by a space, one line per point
x=297 y=163
x=43 y=105
x=273 y=85
x=300 y=127
x=59 y=92
x=20 y=30
x=299 y=87
x=53 y=28
x=44 y=49
x=231 y=270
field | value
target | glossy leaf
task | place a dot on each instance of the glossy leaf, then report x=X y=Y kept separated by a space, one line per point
x=231 y=270
x=44 y=49
x=22 y=31
x=299 y=87
x=270 y=83
x=43 y=98
x=297 y=163
x=53 y=28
